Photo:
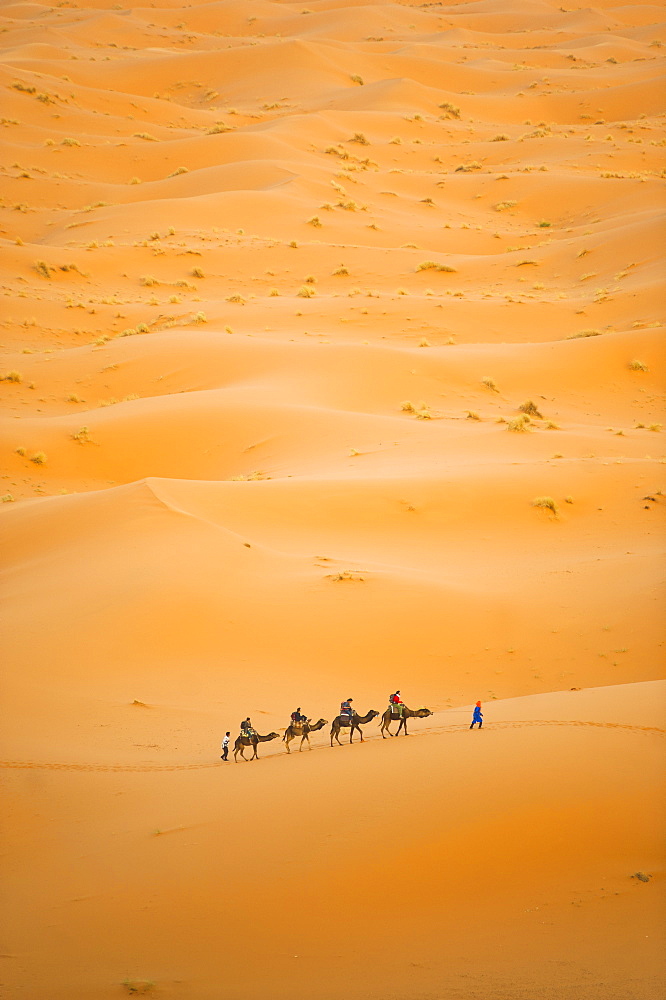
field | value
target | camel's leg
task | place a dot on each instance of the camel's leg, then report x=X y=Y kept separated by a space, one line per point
x=287 y=741
x=255 y=755
x=303 y=739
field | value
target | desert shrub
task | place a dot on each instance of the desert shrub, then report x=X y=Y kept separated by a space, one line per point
x=69 y=141
x=431 y=265
x=12 y=376
x=530 y=408
x=546 y=502
x=637 y=366
x=341 y=271
x=315 y=221
x=305 y=292
x=197 y=273
x=489 y=383
x=41 y=267
x=584 y=333
x=518 y=424
x=178 y=171
x=450 y=109
x=355 y=78
x=38 y=458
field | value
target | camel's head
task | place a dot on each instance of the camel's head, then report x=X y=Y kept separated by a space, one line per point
x=423 y=713
x=323 y=722
x=373 y=714
x=274 y=736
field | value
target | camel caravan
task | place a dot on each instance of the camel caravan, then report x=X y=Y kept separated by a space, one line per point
x=300 y=726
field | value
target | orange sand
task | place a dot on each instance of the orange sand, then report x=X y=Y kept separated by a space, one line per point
x=344 y=243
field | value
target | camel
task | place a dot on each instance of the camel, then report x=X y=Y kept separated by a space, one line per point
x=390 y=716
x=251 y=741
x=355 y=722
x=302 y=729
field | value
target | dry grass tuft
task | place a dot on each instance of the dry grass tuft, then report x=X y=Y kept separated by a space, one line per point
x=178 y=171
x=12 y=376
x=197 y=273
x=450 y=109
x=355 y=78
x=519 y=424
x=41 y=267
x=305 y=292
x=489 y=383
x=545 y=502
x=637 y=366
x=584 y=333
x=473 y=415
x=341 y=272
x=315 y=221
x=420 y=411
x=39 y=458
x=530 y=407
x=431 y=265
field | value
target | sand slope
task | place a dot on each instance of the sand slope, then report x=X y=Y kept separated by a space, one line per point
x=305 y=307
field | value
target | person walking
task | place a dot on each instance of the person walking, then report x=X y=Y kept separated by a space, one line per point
x=225 y=747
x=478 y=716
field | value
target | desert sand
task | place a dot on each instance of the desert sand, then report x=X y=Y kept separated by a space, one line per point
x=332 y=363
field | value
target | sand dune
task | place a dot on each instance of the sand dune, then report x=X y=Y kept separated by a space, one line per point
x=332 y=362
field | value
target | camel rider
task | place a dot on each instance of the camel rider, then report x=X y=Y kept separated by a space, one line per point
x=396 y=704
x=297 y=718
x=246 y=728
x=346 y=709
